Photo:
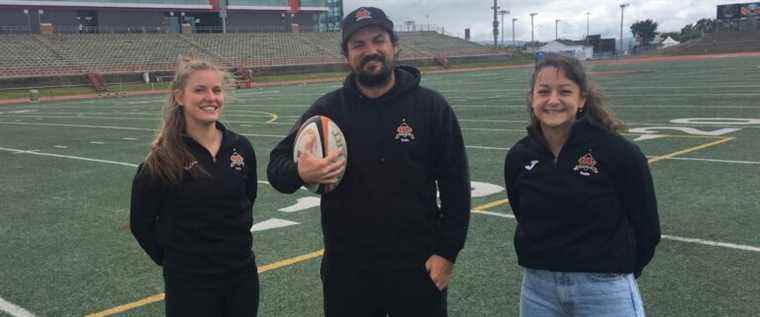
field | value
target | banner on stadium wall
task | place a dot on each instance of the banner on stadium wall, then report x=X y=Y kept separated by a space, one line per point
x=295 y=5
x=738 y=11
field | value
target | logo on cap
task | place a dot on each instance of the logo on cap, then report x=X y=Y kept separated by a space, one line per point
x=362 y=14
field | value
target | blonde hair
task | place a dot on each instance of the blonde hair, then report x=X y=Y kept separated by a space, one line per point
x=169 y=155
x=596 y=104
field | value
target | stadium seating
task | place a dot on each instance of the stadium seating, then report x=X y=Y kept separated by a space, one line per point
x=259 y=2
x=201 y=2
x=72 y=54
x=718 y=43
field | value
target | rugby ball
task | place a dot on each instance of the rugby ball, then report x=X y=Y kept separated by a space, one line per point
x=329 y=138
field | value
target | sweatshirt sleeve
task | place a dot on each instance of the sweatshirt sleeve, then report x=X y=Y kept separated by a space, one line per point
x=511 y=173
x=451 y=171
x=282 y=171
x=146 y=203
x=640 y=205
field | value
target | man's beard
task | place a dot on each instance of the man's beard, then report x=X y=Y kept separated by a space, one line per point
x=367 y=78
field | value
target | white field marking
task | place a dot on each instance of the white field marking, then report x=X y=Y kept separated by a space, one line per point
x=35 y=152
x=97 y=142
x=647 y=124
x=13 y=310
x=302 y=204
x=606 y=87
x=689 y=240
x=129 y=139
x=60 y=146
x=720 y=121
x=664 y=236
x=88 y=117
x=687 y=130
x=713 y=160
x=712 y=243
x=17 y=151
x=645 y=137
x=681 y=87
x=495 y=214
x=78 y=126
x=114 y=128
x=523 y=106
x=482 y=189
x=273 y=223
x=17 y=111
x=685 y=95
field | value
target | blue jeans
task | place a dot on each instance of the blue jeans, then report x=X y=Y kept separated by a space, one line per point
x=548 y=293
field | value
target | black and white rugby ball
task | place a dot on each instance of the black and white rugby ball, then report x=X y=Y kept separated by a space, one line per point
x=329 y=138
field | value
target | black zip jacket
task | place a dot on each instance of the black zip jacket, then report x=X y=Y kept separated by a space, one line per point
x=201 y=225
x=593 y=210
x=402 y=146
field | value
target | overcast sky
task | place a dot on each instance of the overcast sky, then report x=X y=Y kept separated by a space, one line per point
x=604 y=18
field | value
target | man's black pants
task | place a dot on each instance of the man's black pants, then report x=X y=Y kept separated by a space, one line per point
x=396 y=293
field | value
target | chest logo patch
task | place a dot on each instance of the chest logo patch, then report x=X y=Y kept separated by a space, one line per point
x=586 y=165
x=236 y=161
x=531 y=165
x=404 y=132
x=190 y=165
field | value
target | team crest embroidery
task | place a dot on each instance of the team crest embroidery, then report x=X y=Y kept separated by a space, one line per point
x=236 y=161
x=586 y=165
x=190 y=165
x=362 y=14
x=404 y=132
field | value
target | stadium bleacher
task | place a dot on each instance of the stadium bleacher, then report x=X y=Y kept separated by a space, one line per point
x=28 y=55
x=719 y=43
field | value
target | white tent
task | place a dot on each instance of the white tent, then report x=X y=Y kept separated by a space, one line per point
x=668 y=42
x=571 y=48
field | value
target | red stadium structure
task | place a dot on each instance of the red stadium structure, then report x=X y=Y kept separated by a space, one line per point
x=77 y=16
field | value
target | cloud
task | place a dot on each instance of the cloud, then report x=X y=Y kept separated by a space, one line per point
x=604 y=16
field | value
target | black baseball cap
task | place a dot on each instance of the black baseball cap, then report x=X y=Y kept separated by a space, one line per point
x=363 y=17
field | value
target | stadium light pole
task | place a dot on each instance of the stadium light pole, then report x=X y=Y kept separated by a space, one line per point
x=622 y=9
x=502 y=12
x=556 y=29
x=531 y=27
x=495 y=23
x=587 y=25
x=28 y=20
x=513 y=32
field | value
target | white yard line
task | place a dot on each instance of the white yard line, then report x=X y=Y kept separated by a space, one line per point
x=17 y=151
x=13 y=309
x=714 y=160
x=713 y=243
x=495 y=214
x=113 y=128
x=664 y=236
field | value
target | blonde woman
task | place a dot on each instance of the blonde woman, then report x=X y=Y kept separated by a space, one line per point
x=192 y=200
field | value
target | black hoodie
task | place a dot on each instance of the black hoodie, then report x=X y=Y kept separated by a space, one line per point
x=201 y=225
x=384 y=214
x=592 y=210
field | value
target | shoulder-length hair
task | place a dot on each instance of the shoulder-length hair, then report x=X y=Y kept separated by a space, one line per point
x=596 y=103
